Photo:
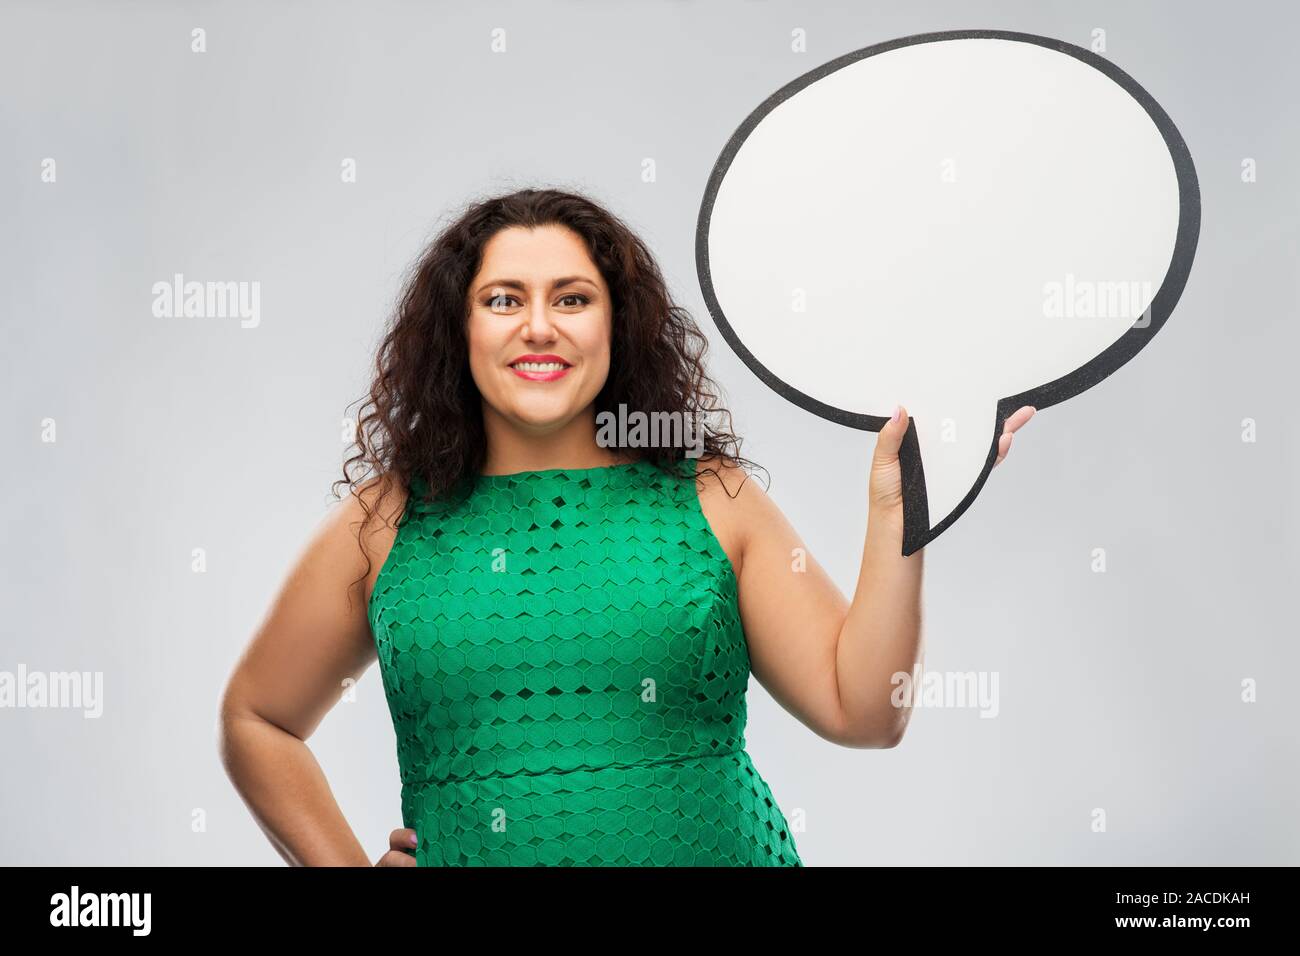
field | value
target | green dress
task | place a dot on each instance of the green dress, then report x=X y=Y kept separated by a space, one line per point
x=564 y=664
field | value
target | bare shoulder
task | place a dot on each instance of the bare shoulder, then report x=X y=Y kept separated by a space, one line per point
x=384 y=497
x=733 y=501
x=364 y=525
x=718 y=475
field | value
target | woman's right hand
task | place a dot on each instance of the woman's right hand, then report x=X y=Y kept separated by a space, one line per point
x=401 y=849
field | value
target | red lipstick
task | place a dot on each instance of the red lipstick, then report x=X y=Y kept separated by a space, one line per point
x=540 y=368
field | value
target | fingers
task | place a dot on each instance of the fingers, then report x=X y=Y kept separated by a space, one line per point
x=402 y=839
x=1014 y=421
x=1018 y=418
x=401 y=844
x=891 y=435
x=1004 y=446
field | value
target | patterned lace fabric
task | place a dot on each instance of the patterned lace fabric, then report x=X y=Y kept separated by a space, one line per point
x=566 y=672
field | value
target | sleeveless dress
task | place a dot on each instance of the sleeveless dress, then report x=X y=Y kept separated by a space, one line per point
x=565 y=668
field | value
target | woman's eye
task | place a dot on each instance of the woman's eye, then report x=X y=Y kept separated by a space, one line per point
x=504 y=300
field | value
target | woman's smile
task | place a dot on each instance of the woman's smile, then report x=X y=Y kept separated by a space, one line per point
x=540 y=368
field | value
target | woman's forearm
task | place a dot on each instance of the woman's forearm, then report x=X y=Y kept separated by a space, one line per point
x=284 y=788
x=881 y=635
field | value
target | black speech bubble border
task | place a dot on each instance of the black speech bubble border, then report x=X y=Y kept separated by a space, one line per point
x=916 y=522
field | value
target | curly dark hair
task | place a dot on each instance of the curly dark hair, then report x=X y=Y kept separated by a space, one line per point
x=423 y=416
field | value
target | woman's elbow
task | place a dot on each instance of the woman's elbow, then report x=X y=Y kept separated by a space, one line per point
x=873 y=735
x=231 y=715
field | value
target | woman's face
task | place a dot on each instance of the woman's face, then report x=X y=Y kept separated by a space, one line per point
x=540 y=319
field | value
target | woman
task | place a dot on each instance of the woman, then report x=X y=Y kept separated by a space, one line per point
x=558 y=621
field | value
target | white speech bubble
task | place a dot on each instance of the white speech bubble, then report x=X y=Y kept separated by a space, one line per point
x=964 y=223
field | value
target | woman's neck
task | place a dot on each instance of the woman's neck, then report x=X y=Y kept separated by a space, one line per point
x=514 y=446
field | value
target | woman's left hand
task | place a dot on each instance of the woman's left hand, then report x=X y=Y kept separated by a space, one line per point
x=886 y=480
x=1021 y=415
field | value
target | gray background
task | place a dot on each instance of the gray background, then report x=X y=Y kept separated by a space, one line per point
x=1118 y=690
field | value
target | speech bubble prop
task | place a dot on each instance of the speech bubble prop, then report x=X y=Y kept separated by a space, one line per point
x=962 y=222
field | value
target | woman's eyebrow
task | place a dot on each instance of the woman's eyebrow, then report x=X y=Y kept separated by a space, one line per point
x=516 y=284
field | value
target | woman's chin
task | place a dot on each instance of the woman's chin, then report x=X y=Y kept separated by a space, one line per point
x=544 y=416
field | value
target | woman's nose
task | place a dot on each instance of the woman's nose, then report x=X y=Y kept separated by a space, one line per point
x=539 y=324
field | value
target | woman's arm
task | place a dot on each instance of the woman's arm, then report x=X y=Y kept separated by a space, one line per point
x=315 y=635
x=829 y=661
x=793 y=614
